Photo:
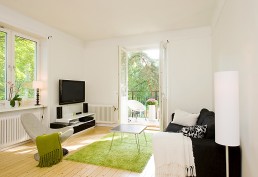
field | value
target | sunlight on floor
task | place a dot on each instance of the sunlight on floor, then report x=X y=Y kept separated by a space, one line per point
x=25 y=165
x=20 y=148
x=116 y=136
x=74 y=147
x=25 y=152
x=87 y=141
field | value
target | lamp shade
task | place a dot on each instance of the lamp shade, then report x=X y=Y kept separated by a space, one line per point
x=226 y=90
x=37 y=84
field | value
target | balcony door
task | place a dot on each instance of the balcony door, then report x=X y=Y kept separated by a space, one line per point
x=139 y=81
x=123 y=85
x=163 y=86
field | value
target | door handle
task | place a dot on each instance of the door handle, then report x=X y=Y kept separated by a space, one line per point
x=115 y=108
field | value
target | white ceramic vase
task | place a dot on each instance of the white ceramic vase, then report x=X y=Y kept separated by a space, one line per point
x=152 y=112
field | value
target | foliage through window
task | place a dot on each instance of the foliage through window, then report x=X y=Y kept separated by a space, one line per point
x=143 y=76
x=2 y=65
x=18 y=64
x=25 y=65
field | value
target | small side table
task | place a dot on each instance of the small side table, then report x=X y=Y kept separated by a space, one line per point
x=133 y=129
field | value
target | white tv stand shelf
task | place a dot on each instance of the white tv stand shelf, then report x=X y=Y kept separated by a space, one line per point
x=79 y=122
x=70 y=119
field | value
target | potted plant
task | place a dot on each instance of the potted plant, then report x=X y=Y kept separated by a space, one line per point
x=151 y=103
x=16 y=100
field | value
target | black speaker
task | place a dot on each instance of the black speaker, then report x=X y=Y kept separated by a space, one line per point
x=85 y=107
x=59 y=113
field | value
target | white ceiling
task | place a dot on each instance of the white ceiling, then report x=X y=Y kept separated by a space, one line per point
x=99 y=19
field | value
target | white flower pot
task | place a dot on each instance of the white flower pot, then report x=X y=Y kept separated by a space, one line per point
x=152 y=112
x=17 y=104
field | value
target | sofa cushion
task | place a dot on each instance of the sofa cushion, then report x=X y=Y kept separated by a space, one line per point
x=184 y=118
x=196 y=131
x=210 y=122
x=173 y=127
x=203 y=115
x=207 y=117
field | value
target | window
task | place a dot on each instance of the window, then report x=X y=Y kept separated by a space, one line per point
x=2 y=65
x=18 y=64
x=25 y=65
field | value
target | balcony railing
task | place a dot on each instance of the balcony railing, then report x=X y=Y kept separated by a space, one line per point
x=142 y=96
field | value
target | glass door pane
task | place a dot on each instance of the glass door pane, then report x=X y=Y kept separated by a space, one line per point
x=25 y=65
x=3 y=36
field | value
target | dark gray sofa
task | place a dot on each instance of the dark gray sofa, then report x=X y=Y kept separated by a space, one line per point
x=208 y=155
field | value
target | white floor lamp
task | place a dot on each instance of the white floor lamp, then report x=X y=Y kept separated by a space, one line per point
x=226 y=89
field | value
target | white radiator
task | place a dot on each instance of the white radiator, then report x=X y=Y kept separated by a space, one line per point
x=11 y=130
x=103 y=113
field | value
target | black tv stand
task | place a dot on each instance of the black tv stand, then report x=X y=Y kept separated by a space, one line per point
x=79 y=122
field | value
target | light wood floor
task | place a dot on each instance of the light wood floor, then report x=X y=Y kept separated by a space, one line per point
x=19 y=161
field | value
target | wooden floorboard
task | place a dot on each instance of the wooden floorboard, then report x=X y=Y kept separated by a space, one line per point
x=19 y=161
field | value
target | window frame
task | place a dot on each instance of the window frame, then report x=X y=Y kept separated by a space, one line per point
x=10 y=58
x=7 y=50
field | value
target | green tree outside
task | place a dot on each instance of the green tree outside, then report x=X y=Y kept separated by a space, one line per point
x=143 y=76
x=2 y=64
x=25 y=54
x=25 y=65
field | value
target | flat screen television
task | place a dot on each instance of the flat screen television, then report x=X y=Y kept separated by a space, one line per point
x=71 y=91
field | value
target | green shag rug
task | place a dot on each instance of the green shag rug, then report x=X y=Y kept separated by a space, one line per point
x=123 y=154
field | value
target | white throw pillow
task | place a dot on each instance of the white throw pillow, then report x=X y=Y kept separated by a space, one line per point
x=184 y=118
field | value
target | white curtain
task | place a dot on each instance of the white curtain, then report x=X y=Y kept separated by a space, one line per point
x=163 y=94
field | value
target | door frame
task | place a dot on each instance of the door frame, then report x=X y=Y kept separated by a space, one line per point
x=122 y=105
x=163 y=85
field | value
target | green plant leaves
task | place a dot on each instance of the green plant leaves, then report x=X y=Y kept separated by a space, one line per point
x=12 y=102
x=15 y=98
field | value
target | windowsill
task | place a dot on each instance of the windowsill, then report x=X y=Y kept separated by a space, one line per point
x=21 y=108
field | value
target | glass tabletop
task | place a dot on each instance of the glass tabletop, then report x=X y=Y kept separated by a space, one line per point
x=128 y=128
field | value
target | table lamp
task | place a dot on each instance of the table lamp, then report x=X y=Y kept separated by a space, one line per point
x=226 y=95
x=37 y=85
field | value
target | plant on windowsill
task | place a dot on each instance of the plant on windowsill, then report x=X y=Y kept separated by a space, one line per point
x=16 y=96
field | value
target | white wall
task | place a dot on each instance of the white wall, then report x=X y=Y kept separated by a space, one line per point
x=189 y=63
x=65 y=62
x=235 y=44
x=61 y=57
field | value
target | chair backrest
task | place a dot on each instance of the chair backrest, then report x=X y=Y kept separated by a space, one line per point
x=136 y=105
x=32 y=125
